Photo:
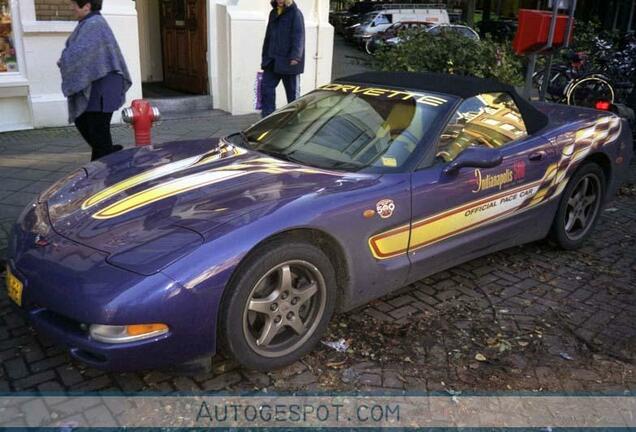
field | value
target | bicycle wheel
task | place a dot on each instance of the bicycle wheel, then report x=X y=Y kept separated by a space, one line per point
x=557 y=85
x=587 y=91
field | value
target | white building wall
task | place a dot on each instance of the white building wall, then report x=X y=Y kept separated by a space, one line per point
x=236 y=29
x=42 y=103
x=239 y=33
x=151 y=56
x=122 y=18
x=15 y=109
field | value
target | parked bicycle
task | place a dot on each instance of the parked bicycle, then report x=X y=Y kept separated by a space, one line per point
x=603 y=77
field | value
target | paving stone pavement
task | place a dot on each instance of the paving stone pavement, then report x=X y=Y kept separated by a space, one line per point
x=527 y=318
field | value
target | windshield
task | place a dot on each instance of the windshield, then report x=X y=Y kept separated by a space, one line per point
x=349 y=128
x=367 y=18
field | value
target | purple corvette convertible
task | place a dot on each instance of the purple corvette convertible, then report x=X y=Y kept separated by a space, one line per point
x=155 y=256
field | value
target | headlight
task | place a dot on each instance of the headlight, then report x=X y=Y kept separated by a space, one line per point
x=73 y=177
x=124 y=334
x=150 y=257
x=60 y=197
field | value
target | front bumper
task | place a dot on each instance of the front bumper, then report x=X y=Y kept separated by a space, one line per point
x=361 y=37
x=147 y=354
x=69 y=286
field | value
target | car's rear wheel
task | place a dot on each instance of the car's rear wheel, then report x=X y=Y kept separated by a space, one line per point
x=580 y=207
x=278 y=305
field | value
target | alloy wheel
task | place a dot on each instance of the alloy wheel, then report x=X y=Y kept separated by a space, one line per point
x=582 y=206
x=284 y=308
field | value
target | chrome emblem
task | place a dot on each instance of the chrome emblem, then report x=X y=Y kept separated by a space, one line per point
x=385 y=208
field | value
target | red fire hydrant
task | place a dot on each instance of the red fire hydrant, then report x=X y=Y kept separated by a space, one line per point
x=141 y=115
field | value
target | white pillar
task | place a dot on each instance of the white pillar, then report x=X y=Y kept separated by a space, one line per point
x=122 y=18
x=237 y=30
x=43 y=42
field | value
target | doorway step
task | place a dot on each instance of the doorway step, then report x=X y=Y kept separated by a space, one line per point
x=174 y=104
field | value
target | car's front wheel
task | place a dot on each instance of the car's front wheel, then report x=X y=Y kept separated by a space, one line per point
x=278 y=305
x=369 y=46
x=580 y=207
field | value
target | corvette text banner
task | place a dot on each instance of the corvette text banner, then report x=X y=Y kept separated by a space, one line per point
x=402 y=411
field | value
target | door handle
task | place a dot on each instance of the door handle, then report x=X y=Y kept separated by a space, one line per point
x=537 y=156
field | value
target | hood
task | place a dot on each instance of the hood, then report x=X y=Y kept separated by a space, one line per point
x=138 y=196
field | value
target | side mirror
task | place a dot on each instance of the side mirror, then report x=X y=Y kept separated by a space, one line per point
x=474 y=157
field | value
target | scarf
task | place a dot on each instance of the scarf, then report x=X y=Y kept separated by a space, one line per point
x=91 y=53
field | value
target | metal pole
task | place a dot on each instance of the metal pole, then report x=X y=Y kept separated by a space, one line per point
x=555 y=13
x=548 y=69
x=568 y=33
x=527 y=89
x=618 y=8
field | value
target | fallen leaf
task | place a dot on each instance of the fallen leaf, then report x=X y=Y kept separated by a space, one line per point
x=336 y=364
x=480 y=357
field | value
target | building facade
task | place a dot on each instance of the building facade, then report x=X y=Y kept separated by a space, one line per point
x=206 y=47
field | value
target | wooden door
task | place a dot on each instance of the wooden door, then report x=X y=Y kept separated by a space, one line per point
x=184 y=39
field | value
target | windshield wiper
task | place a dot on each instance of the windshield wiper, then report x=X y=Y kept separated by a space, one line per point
x=348 y=166
x=245 y=139
x=282 y=156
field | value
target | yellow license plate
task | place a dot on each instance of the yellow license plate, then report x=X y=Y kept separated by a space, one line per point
x=14 y=288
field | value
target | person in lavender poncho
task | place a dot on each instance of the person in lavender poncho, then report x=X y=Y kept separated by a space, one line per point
x=95 y=77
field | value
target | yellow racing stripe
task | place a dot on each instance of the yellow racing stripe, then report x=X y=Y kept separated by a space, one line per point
x=165 y=190
x=451 y=222
x=159 y=172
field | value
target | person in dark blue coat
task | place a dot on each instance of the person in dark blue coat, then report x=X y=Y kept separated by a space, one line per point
x=283 y=53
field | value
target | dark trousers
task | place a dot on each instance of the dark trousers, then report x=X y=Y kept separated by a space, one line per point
x=268 y=89
x=95 y=129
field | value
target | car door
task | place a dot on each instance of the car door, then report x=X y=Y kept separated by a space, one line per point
x=458 y=213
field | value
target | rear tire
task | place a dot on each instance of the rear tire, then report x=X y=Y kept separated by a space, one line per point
x=579 y=208
x=278 y=305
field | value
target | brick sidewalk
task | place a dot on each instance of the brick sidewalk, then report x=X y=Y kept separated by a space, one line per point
x=528 y=318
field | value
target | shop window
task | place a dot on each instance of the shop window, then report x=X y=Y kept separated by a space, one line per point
x=8 y=60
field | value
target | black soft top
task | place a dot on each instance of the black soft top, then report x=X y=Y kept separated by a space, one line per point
x=457 y=85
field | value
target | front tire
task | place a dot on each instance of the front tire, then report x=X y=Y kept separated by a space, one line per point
x=579 y=208
x=369 y=46
x=278 y=305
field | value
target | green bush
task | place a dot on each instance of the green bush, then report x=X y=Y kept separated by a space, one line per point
x=452 y=53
